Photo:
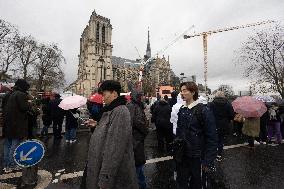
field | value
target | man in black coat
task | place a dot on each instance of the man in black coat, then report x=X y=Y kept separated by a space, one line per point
x=46 y=116
x=173 y=100
x=139 y=132
x=223 y=113
x=57 y=116
x=15 y=110
x=161 y=117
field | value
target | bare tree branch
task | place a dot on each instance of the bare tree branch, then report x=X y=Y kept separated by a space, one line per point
x=262 y=56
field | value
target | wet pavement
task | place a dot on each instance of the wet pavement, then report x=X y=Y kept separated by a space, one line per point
x=240 y=168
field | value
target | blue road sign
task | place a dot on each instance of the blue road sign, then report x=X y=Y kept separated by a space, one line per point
x=29 y=153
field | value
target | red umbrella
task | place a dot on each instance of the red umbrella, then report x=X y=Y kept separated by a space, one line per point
x=97 y=98
x=248 y=106
x=4 y=89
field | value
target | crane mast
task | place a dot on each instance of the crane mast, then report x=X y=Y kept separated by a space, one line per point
x=205 y=43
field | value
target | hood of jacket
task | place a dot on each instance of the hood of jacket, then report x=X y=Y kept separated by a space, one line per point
x=163 y=102
x=220 y=100
x=22 y=85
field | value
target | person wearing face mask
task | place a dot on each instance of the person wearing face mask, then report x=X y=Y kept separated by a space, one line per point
x=197 y=130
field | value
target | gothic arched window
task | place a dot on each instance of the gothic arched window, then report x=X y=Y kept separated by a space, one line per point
x=103 y=34
x=98 y=32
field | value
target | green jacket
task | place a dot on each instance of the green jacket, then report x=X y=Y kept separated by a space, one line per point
x=251 y=127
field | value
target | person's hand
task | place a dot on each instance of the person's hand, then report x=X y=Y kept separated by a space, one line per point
x=91 y=123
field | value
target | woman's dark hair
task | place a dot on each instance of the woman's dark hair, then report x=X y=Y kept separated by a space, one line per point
x=192 y=87
x=110 y=85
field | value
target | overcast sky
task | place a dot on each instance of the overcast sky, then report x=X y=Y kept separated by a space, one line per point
x=62 y=22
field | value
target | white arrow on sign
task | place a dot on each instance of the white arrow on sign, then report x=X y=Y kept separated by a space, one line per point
x=25 y=157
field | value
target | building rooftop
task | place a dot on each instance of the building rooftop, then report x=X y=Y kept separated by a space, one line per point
x=118 y=61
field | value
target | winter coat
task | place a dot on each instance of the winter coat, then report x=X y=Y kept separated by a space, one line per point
x=71 y=120
x=172 y=101
x=223 y=113
x=33 y=113
x=251 y=127
x=162 y=115
x=110 y=157
x=16 y=115
x=198 y=132
x=174 y=113
x=46 y=114
x=139 y=132
x=56 y=112
x=264 y=120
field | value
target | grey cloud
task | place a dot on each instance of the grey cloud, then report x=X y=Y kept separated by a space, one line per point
x=63 y=21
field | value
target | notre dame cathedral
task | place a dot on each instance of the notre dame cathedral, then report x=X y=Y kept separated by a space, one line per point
x=97 y=64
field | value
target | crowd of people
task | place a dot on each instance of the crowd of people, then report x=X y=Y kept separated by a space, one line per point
x=187 y=128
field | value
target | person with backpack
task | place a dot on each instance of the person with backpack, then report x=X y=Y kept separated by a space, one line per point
x=274 y=123
x=164 y=128
x=196 y=131
x=223 y=113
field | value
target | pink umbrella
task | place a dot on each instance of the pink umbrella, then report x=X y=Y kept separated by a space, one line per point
x=72 y=102
x=248 y=106
x=97 y=98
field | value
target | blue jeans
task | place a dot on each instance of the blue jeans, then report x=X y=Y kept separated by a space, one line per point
x=141 y=177
x=9 y=147
x=44 y=130
x=70 y=134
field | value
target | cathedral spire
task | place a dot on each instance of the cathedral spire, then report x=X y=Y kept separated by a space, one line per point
x=148 y=50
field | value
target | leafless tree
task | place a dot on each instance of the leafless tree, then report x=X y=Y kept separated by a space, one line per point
x=262 y=55
x=28 y=54
x=226 y=89
x=6 y=29
x=47 y=69
x=9 y=36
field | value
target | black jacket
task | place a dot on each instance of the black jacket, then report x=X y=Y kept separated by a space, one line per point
x=172 y=101
x=46 y=113
x=162 y=115
x=16 y=114
x=139 y=132
x=198 y=132
x=71 y=120
x=223 y=112
x=56 y=112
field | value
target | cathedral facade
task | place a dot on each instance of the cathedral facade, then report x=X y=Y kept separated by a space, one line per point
x=97 y=64
x=95 y=56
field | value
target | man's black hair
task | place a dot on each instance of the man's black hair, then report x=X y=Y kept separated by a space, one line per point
x=110 y=85
x=166 y=97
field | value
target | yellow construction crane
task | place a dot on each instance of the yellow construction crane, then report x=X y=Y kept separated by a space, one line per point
x=205 y=34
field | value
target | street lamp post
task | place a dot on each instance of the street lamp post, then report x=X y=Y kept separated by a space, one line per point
x=101 y=60
x=182 y=77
